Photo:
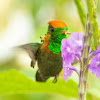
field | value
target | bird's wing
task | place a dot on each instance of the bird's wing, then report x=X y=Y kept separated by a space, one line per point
x=32 y=50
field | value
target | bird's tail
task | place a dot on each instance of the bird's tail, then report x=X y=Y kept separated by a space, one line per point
x=40 y=77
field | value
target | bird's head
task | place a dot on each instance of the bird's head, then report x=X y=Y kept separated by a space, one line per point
x=58 y=31
x=58 y=27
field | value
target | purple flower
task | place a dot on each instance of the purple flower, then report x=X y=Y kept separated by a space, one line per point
x=71 y=48
x=96 y=51
x=94 y=66
x=68 y=53
x=76 y=40
x=67 y=72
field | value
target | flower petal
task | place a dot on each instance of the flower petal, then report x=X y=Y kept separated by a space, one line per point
x=71 y=48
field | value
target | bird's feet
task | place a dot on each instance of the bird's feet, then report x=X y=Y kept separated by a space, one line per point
x=55 y=79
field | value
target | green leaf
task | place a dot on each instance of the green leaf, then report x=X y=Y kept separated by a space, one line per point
x=35 y=96
x=15 y=82
x=94 y=85
x=91 y=97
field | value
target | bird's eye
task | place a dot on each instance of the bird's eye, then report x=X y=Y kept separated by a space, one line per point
x=52 y=30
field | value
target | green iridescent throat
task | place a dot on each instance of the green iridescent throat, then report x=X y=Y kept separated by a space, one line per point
x=55 y=40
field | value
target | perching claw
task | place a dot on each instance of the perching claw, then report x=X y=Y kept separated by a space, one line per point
x=55 y=79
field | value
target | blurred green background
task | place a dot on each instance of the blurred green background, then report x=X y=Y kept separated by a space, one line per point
x=24 y=21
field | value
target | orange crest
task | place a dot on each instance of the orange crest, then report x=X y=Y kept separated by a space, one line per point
x=57 y=24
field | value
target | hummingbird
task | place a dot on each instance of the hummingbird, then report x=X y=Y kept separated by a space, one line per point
x=48 y=53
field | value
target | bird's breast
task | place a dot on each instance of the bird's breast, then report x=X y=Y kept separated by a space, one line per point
x=49 y=63
x=44 y=48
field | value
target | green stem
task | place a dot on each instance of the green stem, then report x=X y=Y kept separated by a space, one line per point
x=84 y=62
x=92 y=9
x=82 y=86
x=81 y=11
